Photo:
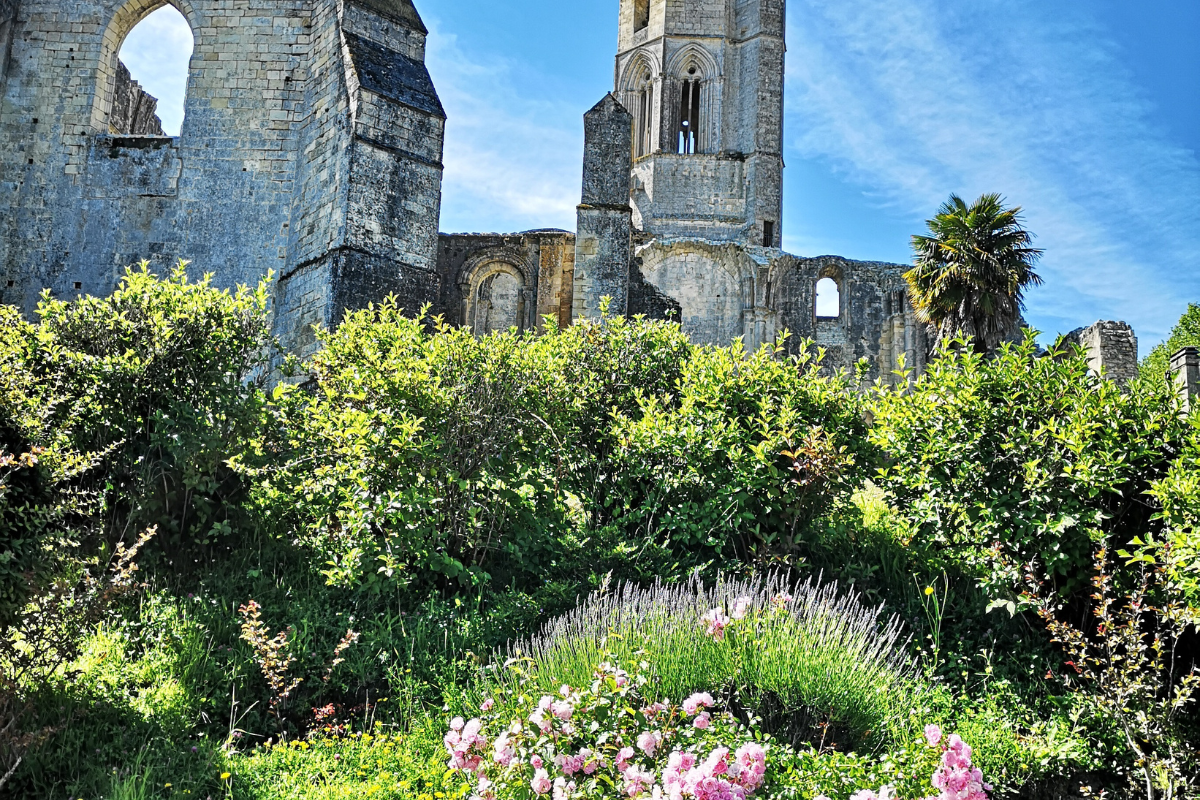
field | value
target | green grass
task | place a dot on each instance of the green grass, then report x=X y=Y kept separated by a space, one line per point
x=408 y=766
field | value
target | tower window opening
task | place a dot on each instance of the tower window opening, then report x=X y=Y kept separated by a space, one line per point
x=152 y=76
x=829 y=299
x=641 y=14
x=644 y=120
x=689 y=117
x=769 y=233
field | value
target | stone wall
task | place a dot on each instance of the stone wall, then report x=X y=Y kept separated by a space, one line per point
x=311 y=149
x=134 y=111
x=490 y=282
x=875 y=319
x=1112 y=349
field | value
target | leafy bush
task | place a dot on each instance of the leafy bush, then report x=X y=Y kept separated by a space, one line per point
x=999 y=461
x=408 y=765
x=813 y=664
x=415 y=455
x=745 y=454
x=1129 y=667
x=1178 y=492
x=437 y=458
x=133 y=403
x=1186 y=333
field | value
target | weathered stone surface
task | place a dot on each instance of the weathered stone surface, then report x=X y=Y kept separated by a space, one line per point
x=1112 y=349
x=491 y=282
x=311 y=148
x=134 y=111
x=1185 y=373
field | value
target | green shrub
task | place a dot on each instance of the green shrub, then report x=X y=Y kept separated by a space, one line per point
x=1179 y=494
x=1186 y=333
x=379 y=764
x=435 y=458
x=1003 y=460
x=414 y=456
x=743 y=456
x=133 y=403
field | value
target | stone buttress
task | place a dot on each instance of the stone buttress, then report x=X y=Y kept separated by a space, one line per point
x=603 y=237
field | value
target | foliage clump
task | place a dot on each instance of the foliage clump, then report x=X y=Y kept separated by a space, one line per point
x=1005 y=459
x=423 y=456
x=422 y=498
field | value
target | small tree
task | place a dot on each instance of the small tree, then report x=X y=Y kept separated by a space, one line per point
x=970 y=273
x=1127 y=665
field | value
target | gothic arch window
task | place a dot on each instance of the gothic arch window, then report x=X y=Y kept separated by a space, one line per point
x=496 y=298
x=691 y=122
x=144 y=67
x=641 y=14
x=695 y=101
x=643 y=117
x=638 y=87
x=829 y=299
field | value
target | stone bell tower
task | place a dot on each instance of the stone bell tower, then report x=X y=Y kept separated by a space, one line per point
x=704 y=82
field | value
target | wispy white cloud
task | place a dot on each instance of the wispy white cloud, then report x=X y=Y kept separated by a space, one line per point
x=512 y=162
x=919 y=98
x=157 y=53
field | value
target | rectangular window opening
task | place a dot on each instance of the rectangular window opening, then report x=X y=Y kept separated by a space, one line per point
x=769 y=234
x=641 y=14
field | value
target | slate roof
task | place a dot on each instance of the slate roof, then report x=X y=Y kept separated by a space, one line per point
x=402 y=11
x=394 y=75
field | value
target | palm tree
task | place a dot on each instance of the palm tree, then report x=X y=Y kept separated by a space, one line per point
x=970 y=273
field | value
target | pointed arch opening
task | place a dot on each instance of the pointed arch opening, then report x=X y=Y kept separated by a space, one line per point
x=145 y=63
x=639 y=89
x=687 y=133
x=156 y=56
x=695 y=85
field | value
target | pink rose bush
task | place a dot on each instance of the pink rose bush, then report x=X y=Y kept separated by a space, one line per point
x=955 y=777
x=605 y=741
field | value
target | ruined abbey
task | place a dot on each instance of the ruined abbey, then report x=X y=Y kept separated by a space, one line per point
x=312 y=149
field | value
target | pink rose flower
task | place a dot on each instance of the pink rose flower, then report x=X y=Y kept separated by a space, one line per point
x=648 y=742
x=714 y=624
x=933 y=735
x=741 y=607
x=541 y=782
x=696 y=702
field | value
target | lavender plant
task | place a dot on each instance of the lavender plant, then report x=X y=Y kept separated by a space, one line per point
x=814 y=663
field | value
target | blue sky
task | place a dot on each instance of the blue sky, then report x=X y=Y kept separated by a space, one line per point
x=1084 y=112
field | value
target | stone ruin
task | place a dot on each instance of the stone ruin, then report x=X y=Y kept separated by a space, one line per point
x=1111 y=347
x=311 y=150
